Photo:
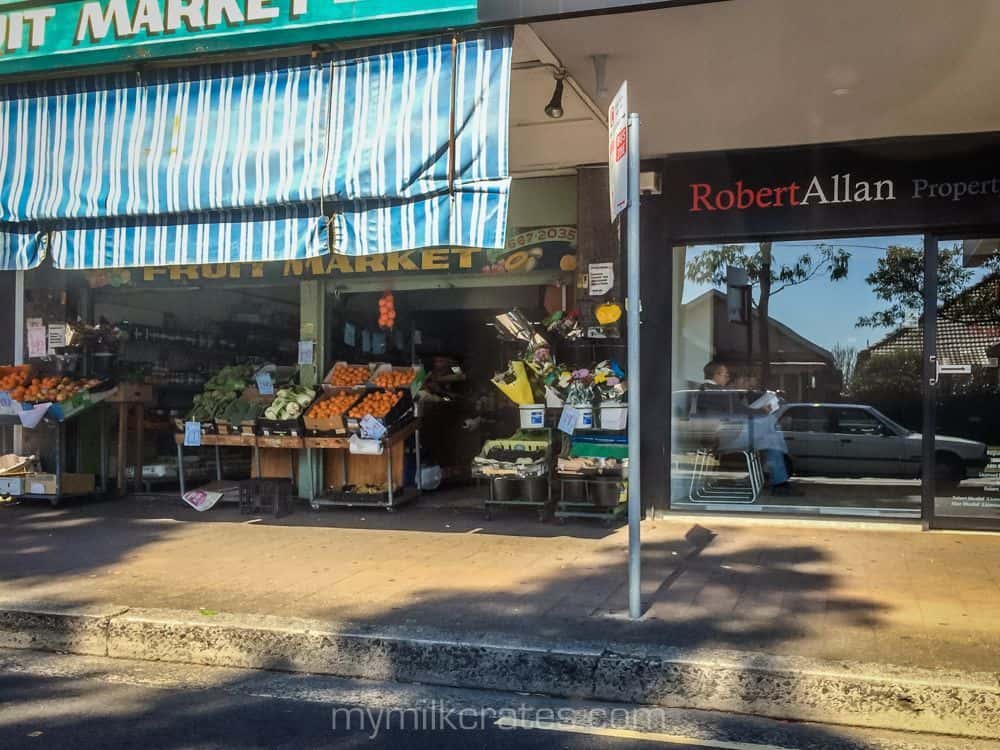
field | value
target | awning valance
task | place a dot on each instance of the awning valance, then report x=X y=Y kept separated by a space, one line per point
x=21 y=247
x=266 y=234
x=342 y=135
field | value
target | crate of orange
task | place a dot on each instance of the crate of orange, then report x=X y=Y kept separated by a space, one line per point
x=389 y=407
x=328 y=416
x=344 y=375
x=388 y=377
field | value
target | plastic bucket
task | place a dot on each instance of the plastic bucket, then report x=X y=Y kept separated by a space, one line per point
x=586 y=419
x=614 y=416
x=532 y=416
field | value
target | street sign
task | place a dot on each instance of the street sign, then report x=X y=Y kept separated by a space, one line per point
x=954 y=369
x=618 y=151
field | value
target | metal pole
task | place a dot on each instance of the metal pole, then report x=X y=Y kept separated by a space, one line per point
x=19 y=345
x=928 y=490
x=634 y=310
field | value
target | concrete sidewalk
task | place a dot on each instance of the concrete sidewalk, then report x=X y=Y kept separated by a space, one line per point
x=876 y=593
x=832 y=595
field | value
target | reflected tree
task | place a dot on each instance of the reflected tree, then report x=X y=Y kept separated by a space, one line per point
x=768 y=278
x=845 y=359
x=898 y=280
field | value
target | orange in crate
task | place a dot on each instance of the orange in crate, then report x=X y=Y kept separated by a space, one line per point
x=334 y=406
x=394 y=378
x=376 y=403
x=348 y=376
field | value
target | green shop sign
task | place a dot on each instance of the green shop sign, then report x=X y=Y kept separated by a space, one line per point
x=37 y=37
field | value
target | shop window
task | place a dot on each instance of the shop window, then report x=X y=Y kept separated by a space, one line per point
x=827 y=362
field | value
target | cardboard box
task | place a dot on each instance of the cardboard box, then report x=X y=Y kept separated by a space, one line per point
x=12 y=486
x=72 y=484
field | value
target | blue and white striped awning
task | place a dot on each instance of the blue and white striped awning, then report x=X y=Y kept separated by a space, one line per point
x=124 y=169
x=21 y=247
x=470 y=218
x=266 y=234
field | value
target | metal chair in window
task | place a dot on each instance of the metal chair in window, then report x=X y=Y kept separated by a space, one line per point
x=709 y=483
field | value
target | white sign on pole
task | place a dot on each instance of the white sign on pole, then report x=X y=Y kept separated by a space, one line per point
x=954 y=369
x=306 y=351
x=600 y=278
x=618 y=151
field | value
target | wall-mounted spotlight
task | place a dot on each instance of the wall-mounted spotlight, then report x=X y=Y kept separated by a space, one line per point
x=554 y=108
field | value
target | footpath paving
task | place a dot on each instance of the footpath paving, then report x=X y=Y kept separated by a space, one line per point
x=738 y=594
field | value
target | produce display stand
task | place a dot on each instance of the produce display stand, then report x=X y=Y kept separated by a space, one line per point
x=589 y=507
x=391 y=499
x=218 y=442
x=599 y=485
x=497 y=499
x=59 y=426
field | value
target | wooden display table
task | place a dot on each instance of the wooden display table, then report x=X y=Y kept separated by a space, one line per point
x=348 y=468
x=362 y=469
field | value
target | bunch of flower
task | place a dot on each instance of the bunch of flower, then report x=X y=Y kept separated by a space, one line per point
x=609 y=381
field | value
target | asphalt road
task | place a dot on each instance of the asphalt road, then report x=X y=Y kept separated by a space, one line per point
x=55 y=701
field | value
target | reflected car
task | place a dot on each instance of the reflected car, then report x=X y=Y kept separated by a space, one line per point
x=856 y=440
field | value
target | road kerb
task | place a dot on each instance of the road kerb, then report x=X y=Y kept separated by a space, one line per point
x=870 y=695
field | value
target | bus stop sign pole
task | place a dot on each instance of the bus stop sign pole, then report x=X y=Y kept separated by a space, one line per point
x=634 y=309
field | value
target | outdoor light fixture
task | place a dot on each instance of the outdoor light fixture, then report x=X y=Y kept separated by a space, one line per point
x=554 y=108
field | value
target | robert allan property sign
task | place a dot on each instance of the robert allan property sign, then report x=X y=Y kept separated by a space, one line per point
x=67 y=33
x=901 y=185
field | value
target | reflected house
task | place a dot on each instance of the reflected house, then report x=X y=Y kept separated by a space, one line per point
x=968 y=332
x=803 y=370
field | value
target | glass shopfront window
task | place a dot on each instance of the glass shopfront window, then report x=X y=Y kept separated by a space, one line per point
x=967 y=391
x=811 y=401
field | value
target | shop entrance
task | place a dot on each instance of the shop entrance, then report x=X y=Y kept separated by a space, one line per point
x=963 y=329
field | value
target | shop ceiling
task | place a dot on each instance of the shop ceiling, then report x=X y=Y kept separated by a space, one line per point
x=754 y=73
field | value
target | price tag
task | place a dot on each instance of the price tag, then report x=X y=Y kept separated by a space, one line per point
x=350 y=334
x=192 y=434
x=568 y=420
x=307 y=350
x=265 y=384
x=6 y=403
x=371 y=428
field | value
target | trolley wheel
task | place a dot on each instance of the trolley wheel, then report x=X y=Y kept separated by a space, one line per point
x=390 y=509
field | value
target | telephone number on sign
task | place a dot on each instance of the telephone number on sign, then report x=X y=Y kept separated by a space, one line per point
x=550 y=234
